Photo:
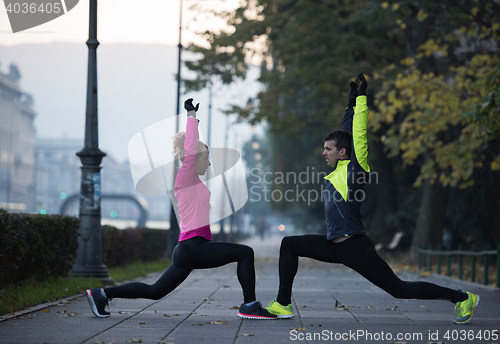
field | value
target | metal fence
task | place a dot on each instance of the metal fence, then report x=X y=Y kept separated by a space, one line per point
x=425 y=259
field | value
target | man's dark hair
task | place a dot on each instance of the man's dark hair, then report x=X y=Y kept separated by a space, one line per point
x=342 y=139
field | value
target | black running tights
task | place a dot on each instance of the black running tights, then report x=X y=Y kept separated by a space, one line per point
x=359 y=254
x=194 y=253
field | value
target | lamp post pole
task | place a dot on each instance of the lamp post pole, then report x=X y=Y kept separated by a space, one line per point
x=89 y=255
x=173 y=235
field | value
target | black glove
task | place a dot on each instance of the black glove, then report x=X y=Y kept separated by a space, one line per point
x=363 y=86
x=188 y=105
x=353 y=94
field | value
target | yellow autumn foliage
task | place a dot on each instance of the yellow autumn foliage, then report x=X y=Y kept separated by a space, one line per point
x=442 y=115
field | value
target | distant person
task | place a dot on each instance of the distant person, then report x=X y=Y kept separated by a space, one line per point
x=346 y=242
x=262 y=226
x=195 y=249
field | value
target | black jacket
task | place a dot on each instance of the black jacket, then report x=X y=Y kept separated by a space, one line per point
x=342 y=193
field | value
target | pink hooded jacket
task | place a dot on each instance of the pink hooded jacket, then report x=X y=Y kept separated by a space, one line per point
x=193 y=196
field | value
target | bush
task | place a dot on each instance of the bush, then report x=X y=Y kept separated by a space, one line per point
x=36 y=246
x=123 y=246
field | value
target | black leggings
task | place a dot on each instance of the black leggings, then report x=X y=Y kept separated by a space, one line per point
x=359 y=254
x=194 y=253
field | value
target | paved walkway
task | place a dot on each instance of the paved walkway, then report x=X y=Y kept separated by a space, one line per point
x=332 y=304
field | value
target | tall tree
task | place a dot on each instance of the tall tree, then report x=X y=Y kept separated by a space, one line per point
x=310 y=50
x=432 y=105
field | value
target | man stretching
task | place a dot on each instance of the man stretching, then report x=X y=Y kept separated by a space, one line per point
x=346 y=151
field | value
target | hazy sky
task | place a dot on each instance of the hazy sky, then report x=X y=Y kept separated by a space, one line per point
x=122 y=21
x=136 y=85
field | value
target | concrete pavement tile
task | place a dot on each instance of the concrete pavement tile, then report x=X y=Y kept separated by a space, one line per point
x=34 y=327
x=267 y=331
x=210 y=330
x=461 y=335
x=260 y=337
x=209 y=338
x=324 y=314
x=338 y=331
x=318 y=286
x=148 y=331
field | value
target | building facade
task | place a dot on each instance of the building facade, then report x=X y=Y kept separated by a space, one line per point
x=57 y=173
x=58 y=177
x=38 y=175
x=17 y=135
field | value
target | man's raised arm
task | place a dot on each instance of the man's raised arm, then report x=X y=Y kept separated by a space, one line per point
x=359 y=124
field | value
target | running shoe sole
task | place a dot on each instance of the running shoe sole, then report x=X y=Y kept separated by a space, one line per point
x=285 y=316
x=93 y=306
x=471 y=315
x=254 y=317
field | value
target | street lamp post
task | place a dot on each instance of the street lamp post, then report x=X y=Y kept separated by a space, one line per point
x=89 y=255
x=226 y=187
x=174 y=231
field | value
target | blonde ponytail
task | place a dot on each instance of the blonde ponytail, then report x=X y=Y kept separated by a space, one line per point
x=178 y=149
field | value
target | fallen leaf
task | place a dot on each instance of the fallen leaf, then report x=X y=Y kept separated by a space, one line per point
x=166 y=315
x=143 y=323
x=60 y=304
x=135 y=341
x=220 y=322
x=298 y=329
x=247 y=335
x=47 y=311
x=235 y=307
x=208 y=299
x=99 y=342
x=196 y=324
x=192 y=312
x=71 y=314
x=121 y=312
x=395 y=308
x=425 y=274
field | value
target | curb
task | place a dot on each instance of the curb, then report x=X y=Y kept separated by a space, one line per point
x=41 y=306
x=37 y=307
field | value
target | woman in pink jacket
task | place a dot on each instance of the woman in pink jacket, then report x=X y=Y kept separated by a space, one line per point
x=195 y=249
